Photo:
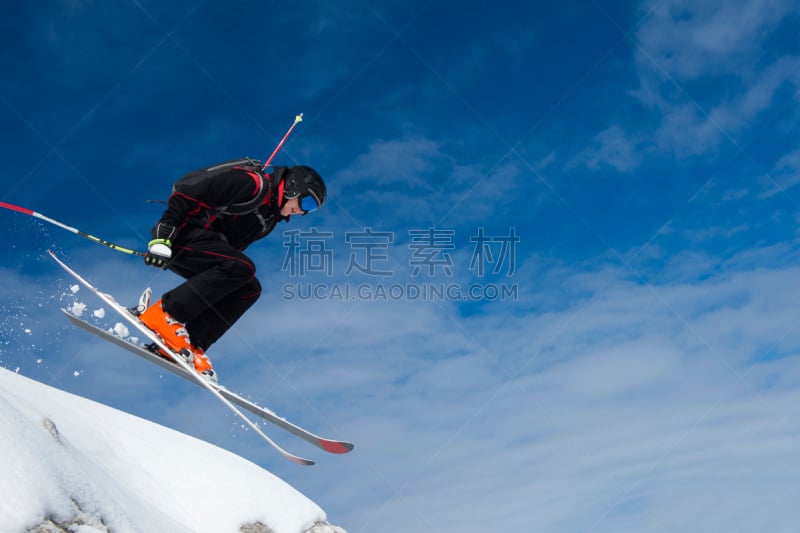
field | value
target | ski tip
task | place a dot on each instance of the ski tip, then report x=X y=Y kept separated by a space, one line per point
x=60 y=262
x=300 y=460
x=336 y=446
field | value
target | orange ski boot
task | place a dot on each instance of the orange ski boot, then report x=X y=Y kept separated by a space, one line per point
x=175 y=336
x=170 y=330
x=202 y=364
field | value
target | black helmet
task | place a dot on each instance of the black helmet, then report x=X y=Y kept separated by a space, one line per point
x=305 y=183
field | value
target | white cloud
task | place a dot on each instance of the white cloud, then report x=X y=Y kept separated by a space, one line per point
x=408 y=160
x=611 y=147
x=784 y=176
x=417 y=177
x=653 y=398
x=711 y=69
x=694 y=39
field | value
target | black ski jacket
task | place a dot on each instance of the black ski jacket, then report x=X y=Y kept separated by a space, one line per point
x=240 y=203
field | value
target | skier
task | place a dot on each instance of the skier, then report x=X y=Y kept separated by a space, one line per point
x=212 y=215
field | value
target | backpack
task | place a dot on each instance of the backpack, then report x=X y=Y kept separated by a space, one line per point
x=247 y=162
x=195 y=184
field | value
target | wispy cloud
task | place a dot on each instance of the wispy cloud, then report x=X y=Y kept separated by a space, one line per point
x=647 y=396
x=693 y=40
x=408 y=161
x=784 y=176
x=684 y=48
x=613 y=148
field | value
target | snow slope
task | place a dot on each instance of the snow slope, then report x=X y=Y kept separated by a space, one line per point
x=64 y=457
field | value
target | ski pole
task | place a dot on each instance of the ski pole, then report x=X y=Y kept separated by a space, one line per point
x=71 y=229
x=298 y=118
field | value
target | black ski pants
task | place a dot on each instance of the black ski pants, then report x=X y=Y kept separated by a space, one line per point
x=220 y=286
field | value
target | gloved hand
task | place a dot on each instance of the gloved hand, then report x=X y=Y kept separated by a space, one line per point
x=159 y=252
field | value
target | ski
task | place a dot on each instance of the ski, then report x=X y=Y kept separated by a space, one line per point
x=225 y=396
x=328 y=445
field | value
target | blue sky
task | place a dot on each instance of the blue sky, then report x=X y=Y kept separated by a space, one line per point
x=644 y=153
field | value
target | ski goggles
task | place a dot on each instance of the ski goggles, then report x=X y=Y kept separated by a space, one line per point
x=308 y=204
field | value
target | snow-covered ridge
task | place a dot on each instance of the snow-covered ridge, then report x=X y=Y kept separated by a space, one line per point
x=82 y=464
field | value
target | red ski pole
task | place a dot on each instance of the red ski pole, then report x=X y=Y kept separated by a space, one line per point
x=298 y=118
x=76 y=231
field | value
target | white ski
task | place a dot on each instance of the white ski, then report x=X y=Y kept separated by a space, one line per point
x=200 y=380
x=329 y=445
